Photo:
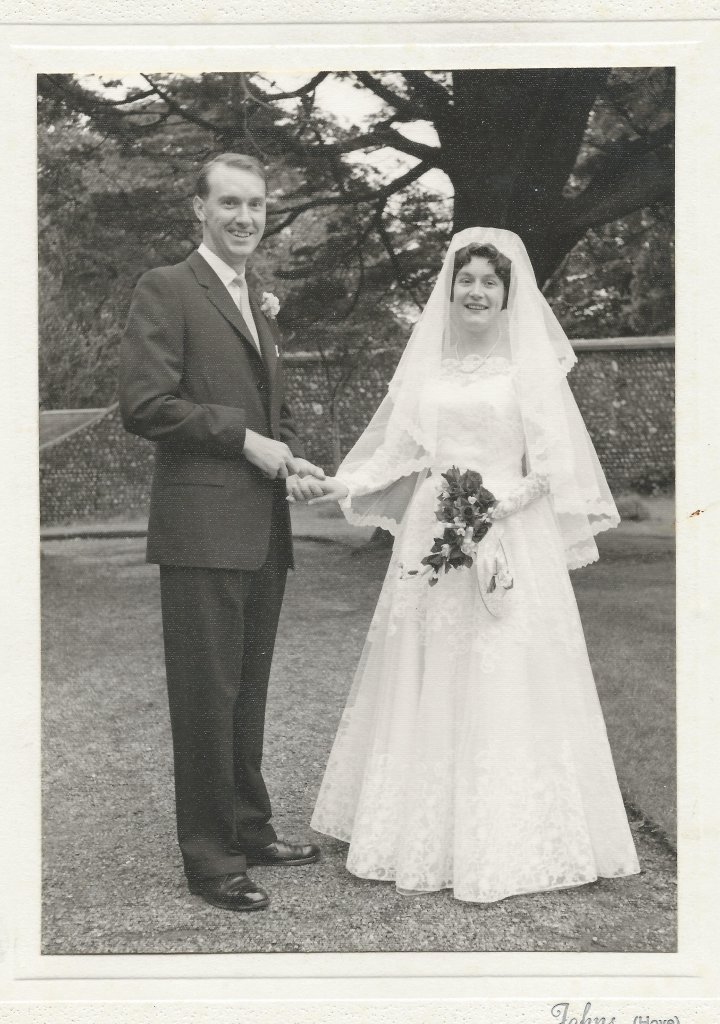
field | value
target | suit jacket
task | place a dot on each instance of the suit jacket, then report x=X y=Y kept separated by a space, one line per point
x=191 y=380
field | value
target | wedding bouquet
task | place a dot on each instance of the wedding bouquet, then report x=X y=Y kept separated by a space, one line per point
x=464 y=507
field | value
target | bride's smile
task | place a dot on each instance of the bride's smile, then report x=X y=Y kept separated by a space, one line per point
x=478 y=296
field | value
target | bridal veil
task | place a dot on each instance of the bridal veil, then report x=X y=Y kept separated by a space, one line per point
x=400 y=442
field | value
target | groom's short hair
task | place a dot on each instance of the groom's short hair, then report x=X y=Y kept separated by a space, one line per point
x=239 y=160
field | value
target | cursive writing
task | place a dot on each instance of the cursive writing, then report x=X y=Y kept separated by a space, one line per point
x=563 y=1013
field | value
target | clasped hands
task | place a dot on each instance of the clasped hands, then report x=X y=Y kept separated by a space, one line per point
x=304 y=481
x=315 y=491
x=275 y=460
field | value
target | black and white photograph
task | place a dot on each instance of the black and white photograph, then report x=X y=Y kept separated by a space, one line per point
x=357 y=510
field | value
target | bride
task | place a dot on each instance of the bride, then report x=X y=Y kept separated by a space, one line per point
x=472 y=753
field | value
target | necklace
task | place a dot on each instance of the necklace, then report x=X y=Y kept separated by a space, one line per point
x=472 y=362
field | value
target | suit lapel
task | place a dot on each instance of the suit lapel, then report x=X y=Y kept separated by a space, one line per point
x=218 y=294
x=269 y=337
x=266 y=335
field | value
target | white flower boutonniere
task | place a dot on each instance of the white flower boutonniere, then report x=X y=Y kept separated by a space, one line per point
x=270 y=305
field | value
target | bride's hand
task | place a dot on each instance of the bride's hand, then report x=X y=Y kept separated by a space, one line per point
x=333 y=490
x=300 y=489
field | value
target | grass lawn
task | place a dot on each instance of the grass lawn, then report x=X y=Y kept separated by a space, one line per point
x=627 y=602
x=112 y=873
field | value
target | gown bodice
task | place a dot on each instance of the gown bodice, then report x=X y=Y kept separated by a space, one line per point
x=479 y=421
x=472 y=753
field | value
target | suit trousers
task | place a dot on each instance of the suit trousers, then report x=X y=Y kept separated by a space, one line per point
x=219 y=628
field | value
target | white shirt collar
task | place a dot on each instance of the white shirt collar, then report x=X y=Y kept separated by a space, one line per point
x=223 y=270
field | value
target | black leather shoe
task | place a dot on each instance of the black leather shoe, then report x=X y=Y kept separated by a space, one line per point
x=231 y=892
x=284 y=853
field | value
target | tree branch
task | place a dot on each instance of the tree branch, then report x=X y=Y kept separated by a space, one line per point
x=433 y=95
x=101 y=101
x=394 y=258
x=86 y=96
x=302 y=91
x=413 y=111
x=648 y=179
x=610 y=163
x=387 y=136
x=83 y=99
x=108 y=117
x=350 y=198
x=664 y=96
x=176 y=108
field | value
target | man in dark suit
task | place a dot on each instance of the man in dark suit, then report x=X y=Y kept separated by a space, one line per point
x=201 y=376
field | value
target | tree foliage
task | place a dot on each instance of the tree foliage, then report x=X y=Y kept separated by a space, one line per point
x=578 y=162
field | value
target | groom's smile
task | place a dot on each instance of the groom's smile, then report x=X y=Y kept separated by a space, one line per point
x=232 y=214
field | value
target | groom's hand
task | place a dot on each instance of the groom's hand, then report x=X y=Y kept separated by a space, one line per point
x=273 y=458
x=304 y=468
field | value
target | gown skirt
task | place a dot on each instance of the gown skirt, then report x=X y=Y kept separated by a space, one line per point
x=472 y=753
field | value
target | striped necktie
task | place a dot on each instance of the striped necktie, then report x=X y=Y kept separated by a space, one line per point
x=242 y=301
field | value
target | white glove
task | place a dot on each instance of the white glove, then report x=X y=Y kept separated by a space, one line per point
x=530 y=488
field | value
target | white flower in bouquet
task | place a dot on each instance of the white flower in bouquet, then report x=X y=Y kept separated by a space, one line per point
x=270 y=305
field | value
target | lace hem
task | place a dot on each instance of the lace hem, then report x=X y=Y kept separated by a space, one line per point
x=625 y=872
x=586 y=555
x=578 y=506
x=582 y=559
x=360 y=483
x=369 y=519
x=488 y=832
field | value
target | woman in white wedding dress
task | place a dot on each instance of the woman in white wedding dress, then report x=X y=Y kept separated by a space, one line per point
x=472 y=753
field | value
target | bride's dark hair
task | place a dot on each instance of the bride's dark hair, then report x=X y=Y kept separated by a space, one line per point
x=500 y=263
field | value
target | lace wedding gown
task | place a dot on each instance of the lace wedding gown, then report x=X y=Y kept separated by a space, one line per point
x=472 y=752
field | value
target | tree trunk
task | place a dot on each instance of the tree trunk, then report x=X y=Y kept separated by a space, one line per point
x=519 y=133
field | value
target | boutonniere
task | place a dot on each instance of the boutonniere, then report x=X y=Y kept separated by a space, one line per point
x=270 y=305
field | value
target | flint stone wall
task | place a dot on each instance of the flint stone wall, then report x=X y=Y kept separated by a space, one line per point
x=624 y=388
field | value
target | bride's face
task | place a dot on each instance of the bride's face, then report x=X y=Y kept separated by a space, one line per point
x=478 y=295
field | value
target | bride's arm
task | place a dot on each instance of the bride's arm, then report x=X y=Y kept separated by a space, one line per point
x=530 y=488
x=388 y=464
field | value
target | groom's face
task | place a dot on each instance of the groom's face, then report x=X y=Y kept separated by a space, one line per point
x=232 y=214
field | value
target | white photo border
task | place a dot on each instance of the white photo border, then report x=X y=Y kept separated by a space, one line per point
x=506 y=986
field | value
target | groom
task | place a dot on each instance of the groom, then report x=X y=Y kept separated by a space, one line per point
x=201 y=375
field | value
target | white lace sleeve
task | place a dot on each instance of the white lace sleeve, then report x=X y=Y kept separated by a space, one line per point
x=532 y=487
x=385 y=467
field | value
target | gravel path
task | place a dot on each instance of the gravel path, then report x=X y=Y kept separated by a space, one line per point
x=112 y=874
